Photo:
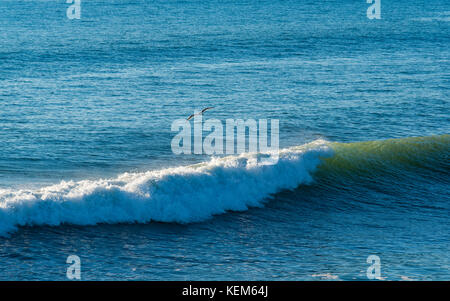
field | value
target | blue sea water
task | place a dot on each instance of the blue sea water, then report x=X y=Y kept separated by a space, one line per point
x=86 y=166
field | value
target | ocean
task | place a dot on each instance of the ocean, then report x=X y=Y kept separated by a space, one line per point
x=87 y=167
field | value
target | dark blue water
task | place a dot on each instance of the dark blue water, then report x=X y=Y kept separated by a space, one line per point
x=85 y=101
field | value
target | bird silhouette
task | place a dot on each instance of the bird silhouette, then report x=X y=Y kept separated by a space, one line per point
x=199 y=113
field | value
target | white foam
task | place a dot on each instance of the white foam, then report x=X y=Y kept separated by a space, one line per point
x=326 y=276
x=182 y=194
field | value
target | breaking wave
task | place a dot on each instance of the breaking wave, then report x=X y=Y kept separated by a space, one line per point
x=182 y=194
x=195 y=193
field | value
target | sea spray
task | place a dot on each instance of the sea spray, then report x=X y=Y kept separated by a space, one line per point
x=182 y=194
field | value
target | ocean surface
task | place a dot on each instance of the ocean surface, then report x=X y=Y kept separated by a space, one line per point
x=87 y=169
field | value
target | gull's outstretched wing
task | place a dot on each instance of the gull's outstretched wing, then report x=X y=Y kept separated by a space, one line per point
x=207 y=109
x=200 y=112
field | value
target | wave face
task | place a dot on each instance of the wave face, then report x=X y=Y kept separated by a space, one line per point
x=195 y=193
x=182 y=195
x=389 y=157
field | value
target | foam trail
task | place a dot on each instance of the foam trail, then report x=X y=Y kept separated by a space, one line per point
x=182 y=194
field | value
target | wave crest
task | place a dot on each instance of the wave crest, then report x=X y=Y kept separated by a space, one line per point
x=182 y=194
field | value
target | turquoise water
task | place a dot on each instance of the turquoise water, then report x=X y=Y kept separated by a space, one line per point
x=86 y=165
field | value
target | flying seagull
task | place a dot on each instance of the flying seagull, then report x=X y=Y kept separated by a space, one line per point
x=200 y=113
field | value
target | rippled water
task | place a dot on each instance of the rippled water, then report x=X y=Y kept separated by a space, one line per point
x=91 y=99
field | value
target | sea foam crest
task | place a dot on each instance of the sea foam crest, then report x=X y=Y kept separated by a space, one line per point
x=182 y=194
